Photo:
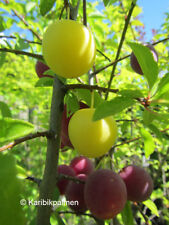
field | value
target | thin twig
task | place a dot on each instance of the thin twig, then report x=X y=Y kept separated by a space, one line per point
x=14 y=37
x=120 y=45
x=89 y=87
x=18 y=52
x=84 y=13
x=103 y=55
x=26 y=24
x=140 y=210
x=26 y=138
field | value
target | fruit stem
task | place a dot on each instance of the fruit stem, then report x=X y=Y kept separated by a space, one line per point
x=92 y=99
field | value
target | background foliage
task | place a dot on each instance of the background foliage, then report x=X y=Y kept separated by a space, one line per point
x=142 y=131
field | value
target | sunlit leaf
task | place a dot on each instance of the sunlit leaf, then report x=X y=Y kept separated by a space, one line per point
x=5 y=111
x=149 y=145
x=127 y=215
x=146 y=62
x=112 y=107
x=45 y=6
x=151 y=205
x=11 y=129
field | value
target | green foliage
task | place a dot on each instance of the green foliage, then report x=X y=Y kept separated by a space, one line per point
x=12 y=129
x=10 y=190
x=5 y=111
x=127 y=215
x=45 y=6
x=146 y=61
x=149 y=145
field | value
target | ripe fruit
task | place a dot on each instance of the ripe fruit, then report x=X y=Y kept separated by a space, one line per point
x=65 y=141
x=82 y=164
x=134 y=63
x=63 y=183
x=138 y=182
x=41 y=68
x=68 y=48
x=75 y=192
x=91 y=138
x=105 y=193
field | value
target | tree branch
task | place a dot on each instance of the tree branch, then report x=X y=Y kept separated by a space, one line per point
x=26 y=138
x=48 y=183
x=120 y=44
x=89 y=87
x=18 y=52
x=14 y=37
x=26 y=24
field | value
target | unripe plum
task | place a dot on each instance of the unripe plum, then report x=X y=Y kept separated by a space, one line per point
x=134 y=62
x=91 y=138
x=75 y=192
x=138 y=182
x=65 y=141
x=41 y=68
x=63 y=183
x=82 y=164
x=105 y=193
x=68 y=48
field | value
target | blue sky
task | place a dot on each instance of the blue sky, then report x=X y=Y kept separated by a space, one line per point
x=153 y=14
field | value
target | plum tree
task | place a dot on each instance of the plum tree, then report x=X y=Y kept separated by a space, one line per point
x=138 y=182
x=65 y=141
x=91 y=138
x=75 y=192
x=68 y=48
x=134 y=63
x=40 y=68
x=105 y=193
x=63 y=183
x=82 y=165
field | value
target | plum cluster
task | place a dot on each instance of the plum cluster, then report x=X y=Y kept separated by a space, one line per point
x=103 y=191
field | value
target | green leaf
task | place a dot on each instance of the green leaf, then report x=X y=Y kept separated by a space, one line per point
x=112 y=107
x=11 y=129
x=72 y=103
x=45 y=6
x=127 y=215
x=30 y=6
x=10 y=190
x=59 y=220
x=163 y=86
x=5 y=111
x=2 y=24
x=85 y=95
x=21 y=172
x=2 y=58
x=44 y=82
x=109 y=2
x=146 y=62
x=151 y=205
x=149 y=145
x=148 y=117
x=134 y=93
x=156 y=131
x=162 y=92
x=21 y=44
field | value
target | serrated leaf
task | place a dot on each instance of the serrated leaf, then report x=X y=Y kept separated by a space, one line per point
x=151 y=205
x=127 y=215
x=10 y=190
x=112 y=107
x=135 y=93
x=11 y=129
x=149 y=145
x=5 y=111
x=45 y=6
x=146 y=62
x=44 y=82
